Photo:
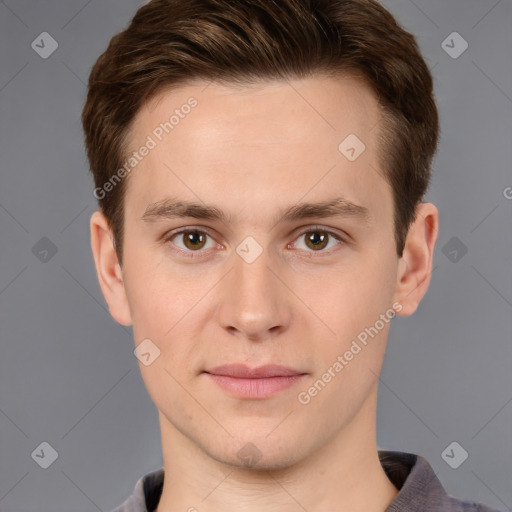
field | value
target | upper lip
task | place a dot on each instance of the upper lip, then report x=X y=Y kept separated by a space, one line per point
x=245 y=372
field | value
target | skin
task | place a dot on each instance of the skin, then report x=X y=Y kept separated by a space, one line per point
x=252 y=151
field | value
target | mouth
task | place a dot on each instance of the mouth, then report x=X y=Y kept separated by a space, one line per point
x=254 y=383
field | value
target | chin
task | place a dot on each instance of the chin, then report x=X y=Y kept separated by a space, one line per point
x=256 y=453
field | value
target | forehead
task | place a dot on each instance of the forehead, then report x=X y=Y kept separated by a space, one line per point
x=264 y=109
x=269 y=140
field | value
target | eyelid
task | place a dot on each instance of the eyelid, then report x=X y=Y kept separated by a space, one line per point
x=187 y=229
x=316 y=227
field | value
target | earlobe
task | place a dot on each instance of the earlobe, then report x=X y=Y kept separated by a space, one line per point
x=108 y=270
x=415 y=265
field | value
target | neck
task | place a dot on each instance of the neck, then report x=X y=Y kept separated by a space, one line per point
x=343 y=473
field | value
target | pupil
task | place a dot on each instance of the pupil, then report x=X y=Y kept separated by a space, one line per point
x=315 y=237
x=192 y=237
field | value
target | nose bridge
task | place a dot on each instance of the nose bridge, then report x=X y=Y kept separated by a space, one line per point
x=252 y=272
x=254 y=300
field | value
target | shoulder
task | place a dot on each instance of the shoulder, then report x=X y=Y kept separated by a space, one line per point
x=146 y=494
x=419 y=488
x=452 y=504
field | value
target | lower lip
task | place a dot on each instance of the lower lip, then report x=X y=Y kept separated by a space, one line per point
x=255 y=388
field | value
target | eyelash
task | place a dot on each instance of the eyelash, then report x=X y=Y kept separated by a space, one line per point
x=201 y=252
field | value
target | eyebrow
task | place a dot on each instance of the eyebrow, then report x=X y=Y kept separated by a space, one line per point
x=171 y=208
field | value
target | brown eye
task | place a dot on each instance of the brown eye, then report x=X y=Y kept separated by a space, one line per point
x=190 y=241
x=316 y=240
x=193 y=240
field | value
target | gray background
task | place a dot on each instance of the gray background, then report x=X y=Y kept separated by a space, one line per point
x=68 y=375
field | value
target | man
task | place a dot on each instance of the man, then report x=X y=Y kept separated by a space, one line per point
x=260 y=167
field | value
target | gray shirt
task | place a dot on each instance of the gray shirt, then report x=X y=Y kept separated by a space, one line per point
x=419 y=488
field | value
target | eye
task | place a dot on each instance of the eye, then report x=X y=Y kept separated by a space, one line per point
x=193 y=240
x=316 y=239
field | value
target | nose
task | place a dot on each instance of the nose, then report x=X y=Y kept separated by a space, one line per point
x=254 y=302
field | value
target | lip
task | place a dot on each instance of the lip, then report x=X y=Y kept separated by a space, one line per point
x=243 y=371
x=254 y=383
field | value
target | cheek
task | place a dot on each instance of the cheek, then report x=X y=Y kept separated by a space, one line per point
x=348 y=362
x=351 y=299
x=162 y=296
x=162 y=308
x=157 y=305
x=358 y=289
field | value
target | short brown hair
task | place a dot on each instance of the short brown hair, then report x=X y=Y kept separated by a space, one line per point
x=171 y=42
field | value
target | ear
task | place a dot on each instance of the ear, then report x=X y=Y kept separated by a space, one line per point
x=415 y=265
x=108 y=269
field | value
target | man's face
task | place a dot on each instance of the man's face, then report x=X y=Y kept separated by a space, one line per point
x=208 y=297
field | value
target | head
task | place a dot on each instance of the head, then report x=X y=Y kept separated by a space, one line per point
x=250 y=110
